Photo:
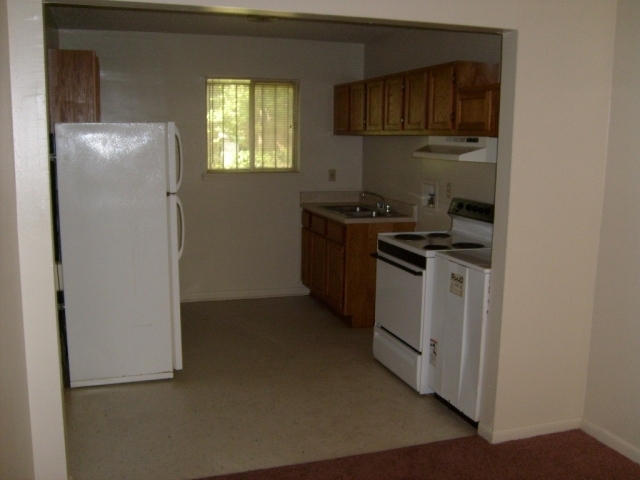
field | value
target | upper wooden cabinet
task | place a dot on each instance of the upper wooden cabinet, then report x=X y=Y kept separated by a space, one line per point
x=415 y=101
x=357 y=107
x=457 y=98
x=341 y=108
x=457 y=102
x=477 y=109
x=393 y=103
x=442 y=88
x=375 y=106
x=74 y=86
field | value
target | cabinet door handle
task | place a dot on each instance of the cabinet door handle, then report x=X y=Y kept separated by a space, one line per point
x=397 y=265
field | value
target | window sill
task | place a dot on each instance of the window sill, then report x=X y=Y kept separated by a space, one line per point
x=213 y=177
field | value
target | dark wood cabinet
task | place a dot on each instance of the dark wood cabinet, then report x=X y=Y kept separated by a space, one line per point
x=457 y=98
x=318 y=262
x=357 y=107
x=375 y=106
x=393 y=103
x=306 y=257
x=336 y=258
x=415 y=101
x=73 y=78
x=440 y=99
x=341 y=109
x=477 y=109
x=334 y=294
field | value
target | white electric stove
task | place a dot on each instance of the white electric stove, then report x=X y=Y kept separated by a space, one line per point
x=405 y=283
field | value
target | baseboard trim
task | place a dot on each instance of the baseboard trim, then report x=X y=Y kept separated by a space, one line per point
x=243 y=294
x=618 y=444
x=499 y=436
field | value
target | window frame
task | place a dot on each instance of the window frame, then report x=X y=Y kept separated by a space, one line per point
x=295 y=121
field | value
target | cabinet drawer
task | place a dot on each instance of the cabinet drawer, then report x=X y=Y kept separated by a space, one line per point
x=335 y=232
x=306 y=219
x=318 y=224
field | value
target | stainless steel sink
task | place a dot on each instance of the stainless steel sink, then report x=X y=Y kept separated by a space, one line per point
x=347 y=209
x=361 y=211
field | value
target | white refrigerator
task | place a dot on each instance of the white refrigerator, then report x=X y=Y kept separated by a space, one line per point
x=121 y=235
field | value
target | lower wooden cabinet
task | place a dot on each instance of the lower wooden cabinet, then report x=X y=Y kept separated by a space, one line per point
x=318 y=262
x=306 y=257
x=337 y=266
x=334 y=293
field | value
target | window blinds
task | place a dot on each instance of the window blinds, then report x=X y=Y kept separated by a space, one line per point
x=251 y=125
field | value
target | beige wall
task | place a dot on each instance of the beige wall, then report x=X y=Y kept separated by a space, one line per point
x=388 y=167
x=15 y=449
x=242 y=231
x=549 y=193
x=31 y=413
x=420 y=48
x=612 y=412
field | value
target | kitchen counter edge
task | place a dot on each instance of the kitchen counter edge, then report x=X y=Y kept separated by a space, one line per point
x=317 y=209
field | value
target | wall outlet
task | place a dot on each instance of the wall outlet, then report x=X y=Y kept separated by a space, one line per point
x=430 y=193
x=332 y=174
x=448 y=189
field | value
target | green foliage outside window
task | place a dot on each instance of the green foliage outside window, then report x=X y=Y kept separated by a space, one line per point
x=252 y=125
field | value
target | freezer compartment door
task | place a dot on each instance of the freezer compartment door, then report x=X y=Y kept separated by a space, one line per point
x=175 y=165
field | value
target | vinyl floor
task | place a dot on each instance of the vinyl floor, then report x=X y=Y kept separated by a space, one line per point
x=266 y=382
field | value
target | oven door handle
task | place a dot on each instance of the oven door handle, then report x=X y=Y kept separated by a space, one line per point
x=397 y=265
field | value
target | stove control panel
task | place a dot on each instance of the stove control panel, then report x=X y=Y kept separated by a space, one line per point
x=461 y=207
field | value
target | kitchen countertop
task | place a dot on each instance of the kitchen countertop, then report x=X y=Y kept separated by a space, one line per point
x=315 y=201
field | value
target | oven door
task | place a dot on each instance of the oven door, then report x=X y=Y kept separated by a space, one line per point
x=399 y=300
x=400 y=322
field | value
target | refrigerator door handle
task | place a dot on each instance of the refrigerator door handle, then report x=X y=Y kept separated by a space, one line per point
x=179 y=152
x=180 y=227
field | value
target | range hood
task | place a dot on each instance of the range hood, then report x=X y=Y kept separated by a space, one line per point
x=463 y=149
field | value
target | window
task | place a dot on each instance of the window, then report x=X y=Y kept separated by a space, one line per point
x=252 y=125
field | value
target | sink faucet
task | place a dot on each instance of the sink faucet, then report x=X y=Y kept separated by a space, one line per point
x=379 y=204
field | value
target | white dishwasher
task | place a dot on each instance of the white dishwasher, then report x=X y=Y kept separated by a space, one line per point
x=458 y=328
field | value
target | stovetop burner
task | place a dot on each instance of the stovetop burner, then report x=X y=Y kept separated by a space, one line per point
x=467 y=245
x=409 y=236
x=471 y=228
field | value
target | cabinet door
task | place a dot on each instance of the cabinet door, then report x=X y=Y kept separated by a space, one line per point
x=306 y=258
x=335 y=275
x=393 y=103
x=318 y=265
x=440 y=98
x=375 y=102
x=341 y=109
x=357 y=107
x=74 y=86
x=477 y=110
x=415 y=101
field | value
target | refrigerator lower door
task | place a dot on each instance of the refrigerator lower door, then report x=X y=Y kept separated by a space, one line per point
x=176 y=243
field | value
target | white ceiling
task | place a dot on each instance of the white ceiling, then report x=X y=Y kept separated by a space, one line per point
x=198 y=22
